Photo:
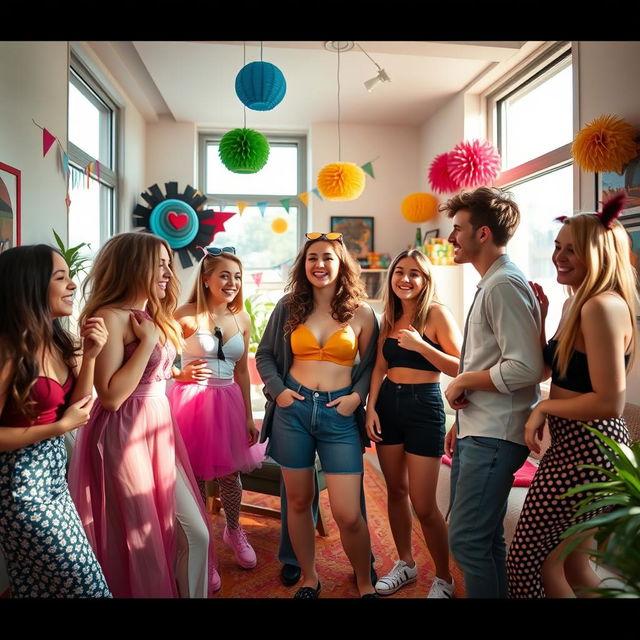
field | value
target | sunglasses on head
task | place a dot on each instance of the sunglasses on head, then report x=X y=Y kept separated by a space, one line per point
x=216 y=251
x=217 y=332
x=318 y=235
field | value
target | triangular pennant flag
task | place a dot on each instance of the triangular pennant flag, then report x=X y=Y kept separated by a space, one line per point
x=315 y=190
x=241 y=206
x=305 y=198
x=88 y=173
x=65 y=162
x=68 y=201
x=286 y=203
x=97 y=165
x=47 y=140
x=257 y=278
x=368 y=168
x=263 y=207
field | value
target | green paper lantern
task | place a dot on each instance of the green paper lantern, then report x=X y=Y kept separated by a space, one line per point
x=244 y=151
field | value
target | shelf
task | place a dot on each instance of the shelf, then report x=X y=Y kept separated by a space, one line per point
x=374 y=280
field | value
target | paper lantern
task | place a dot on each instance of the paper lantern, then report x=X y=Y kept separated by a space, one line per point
x=439 y=176
x=244 y=151
x=341 y=181
x=260 y=86
x=279 y=225
x=419 y=207
x=605 y=144
x=474 y=164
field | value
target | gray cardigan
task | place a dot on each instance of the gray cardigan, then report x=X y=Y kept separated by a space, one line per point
x=274 y=358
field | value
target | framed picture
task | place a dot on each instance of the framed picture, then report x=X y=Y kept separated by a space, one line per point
x=632 y=225
x=9 y=207
x=357 y=232
x=432 y=233
x=607 y=184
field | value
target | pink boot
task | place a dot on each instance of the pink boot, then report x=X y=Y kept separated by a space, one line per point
x=244 y=554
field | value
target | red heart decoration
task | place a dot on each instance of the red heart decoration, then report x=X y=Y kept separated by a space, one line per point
x=178 y=220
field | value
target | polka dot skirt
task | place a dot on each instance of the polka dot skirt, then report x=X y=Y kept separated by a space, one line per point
x=545 y=516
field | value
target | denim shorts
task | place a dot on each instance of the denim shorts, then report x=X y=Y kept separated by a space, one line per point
x=412 y=415
x=308 y=425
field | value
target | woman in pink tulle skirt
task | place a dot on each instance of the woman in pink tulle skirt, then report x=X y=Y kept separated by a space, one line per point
x=130 y=475
x=210 y=398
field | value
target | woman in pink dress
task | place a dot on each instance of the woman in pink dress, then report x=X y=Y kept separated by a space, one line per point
x=130 y=475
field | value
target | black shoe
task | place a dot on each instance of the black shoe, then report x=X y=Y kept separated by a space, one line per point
x=289 y=574
x=369 y=595
x=308 y=593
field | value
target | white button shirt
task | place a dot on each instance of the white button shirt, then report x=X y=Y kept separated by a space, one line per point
x=502 y=334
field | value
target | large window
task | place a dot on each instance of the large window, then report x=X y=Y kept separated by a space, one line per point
x=533 y=128
x=265 y=254
x=92 y=135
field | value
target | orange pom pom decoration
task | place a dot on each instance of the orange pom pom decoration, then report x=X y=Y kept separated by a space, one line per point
x=341 y=181
x=419 y=207
x=279 y=225
x=605 y=144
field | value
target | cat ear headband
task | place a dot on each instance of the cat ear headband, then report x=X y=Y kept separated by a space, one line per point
x=611 y=210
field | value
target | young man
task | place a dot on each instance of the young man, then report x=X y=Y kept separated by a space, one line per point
x=494 y=391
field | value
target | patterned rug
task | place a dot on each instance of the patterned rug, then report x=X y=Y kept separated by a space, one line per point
x=334 y=569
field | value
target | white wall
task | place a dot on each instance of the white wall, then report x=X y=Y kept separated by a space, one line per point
x=33 y=84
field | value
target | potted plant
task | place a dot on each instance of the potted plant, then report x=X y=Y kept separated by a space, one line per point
x=76 y=262
x=259 y=311
x=617 y=530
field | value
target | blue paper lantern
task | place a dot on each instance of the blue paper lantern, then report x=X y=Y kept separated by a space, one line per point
x=260 y=86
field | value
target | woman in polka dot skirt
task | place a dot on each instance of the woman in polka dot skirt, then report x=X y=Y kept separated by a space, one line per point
x=587 y=360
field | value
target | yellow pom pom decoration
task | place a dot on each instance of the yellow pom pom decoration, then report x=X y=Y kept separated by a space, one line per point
x=341 y=181
x=605 y=144
x=419 y=207
x=279 y=225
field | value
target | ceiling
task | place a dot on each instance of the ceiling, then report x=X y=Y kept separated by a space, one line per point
x=194 y=81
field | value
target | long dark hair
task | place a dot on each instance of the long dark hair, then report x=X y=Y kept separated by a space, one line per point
x=27 y=329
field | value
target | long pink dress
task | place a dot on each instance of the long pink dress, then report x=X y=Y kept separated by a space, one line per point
x=122 y=479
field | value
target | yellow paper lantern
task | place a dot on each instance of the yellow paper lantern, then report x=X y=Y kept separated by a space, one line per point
x=279 y=225
x=341 y=181
x=419 y=207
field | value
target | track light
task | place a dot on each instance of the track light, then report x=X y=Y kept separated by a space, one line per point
x=382 y=75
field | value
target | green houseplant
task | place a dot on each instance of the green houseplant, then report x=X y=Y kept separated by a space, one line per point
x=259 y=311
x=618 y=529
x=76 y=262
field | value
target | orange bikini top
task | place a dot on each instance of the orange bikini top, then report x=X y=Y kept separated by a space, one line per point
x=341 y=346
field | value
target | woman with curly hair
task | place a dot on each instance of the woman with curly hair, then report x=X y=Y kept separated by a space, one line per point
x=306 y=360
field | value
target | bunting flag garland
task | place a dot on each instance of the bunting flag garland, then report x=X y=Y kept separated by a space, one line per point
x=317 y=192
x=97 y=165
x=305 y=198
x=257 y=278
x=241 y=206
x=367 y=167
x=286 y=203
x=263 y=207
x=47 y=140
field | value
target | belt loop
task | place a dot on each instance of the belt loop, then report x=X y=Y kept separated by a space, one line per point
x=299 y=387
x=329 y=396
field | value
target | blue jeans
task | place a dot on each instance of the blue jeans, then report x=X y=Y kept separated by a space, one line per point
x=481 y=479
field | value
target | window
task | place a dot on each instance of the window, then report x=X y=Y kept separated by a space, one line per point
x=92 y=135
x=533 y=129
x=266 y=256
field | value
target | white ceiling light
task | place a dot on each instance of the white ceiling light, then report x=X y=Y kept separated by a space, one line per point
x=381 y=76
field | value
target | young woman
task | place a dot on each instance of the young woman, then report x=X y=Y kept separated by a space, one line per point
x=211 y=398
x=405 y=414
x=45 y=391
x=306 y=360
x=586 y=359
x=130 y=475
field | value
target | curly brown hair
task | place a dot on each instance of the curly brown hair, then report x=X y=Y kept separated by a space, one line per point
x=350 y=290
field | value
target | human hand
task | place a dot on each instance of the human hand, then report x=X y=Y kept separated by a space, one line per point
x=410 y=339
x=372 y=425
x=76 y=415
x=455 y=393
x=252 y=432
x=348 y=403
x=94 y=336
x=534 y=429
x=144 y=329
x=542 y=299
x=287 y=398
x=450 y=440
x=195 y=371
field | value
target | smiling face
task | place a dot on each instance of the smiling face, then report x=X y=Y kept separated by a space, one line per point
x=407 y=279
x=464 y=238
x=321 y=264
x=224 y=282
x=570 y=269
x=164 y=273
x=61 y=288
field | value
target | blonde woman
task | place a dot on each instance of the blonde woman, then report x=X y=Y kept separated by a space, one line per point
x=587 y=360
x=405 y=414
x=130 y=475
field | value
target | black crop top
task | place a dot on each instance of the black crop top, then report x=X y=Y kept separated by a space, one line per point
x=396 y=356
x=577 y=378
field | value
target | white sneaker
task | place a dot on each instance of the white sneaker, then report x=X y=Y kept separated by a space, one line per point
x=400 y=575
x=441 y=588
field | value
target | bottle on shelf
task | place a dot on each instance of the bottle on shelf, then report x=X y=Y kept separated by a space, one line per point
x=418 y=244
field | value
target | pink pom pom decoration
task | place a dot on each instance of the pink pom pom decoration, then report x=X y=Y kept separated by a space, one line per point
x=439 y=176
x=474 y=164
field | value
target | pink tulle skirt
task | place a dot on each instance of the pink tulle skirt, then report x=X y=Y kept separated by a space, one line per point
x=212 y=421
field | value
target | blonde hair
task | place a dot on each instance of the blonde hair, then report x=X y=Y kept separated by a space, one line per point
x=393 y=305
x=198 y=294
x=606 y=253
x=127 y=264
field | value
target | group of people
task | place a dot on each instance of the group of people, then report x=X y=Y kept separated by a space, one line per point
x=134 y=523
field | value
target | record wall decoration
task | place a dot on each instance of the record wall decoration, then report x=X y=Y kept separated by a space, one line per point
x=180 y=219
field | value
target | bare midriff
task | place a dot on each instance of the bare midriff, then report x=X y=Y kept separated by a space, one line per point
x=321 y=375
x=404 y=375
